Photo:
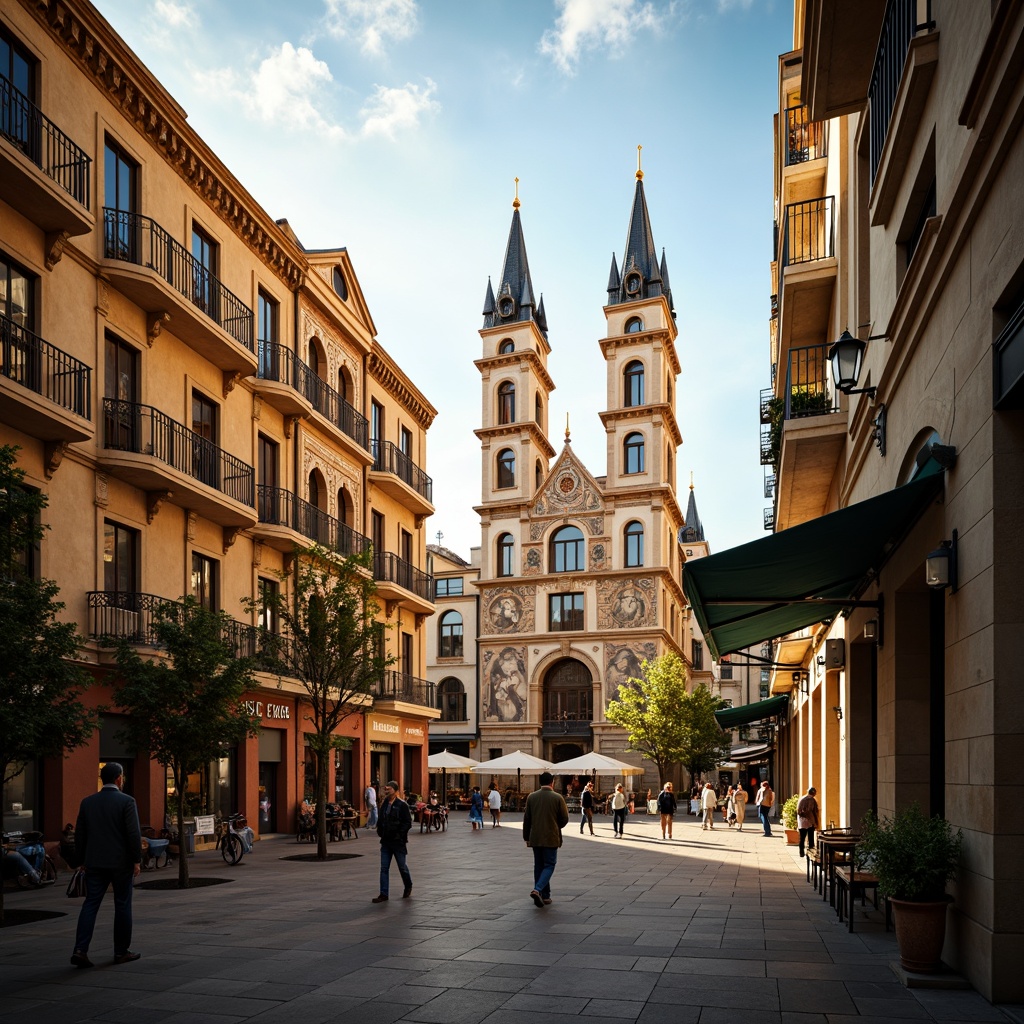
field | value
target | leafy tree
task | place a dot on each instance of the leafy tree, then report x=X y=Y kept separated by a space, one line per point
x=705 y=746
x=41 y=714
x=185 y=710
x=334 y=646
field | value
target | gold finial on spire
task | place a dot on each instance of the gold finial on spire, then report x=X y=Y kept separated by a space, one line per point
x=691 y=479
x=515 y=202
x=639 y=172
x=566 y=428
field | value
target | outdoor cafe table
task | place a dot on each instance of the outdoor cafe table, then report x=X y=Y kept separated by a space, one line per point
x=829 y=844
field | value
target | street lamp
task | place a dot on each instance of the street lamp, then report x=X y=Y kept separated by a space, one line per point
x=940 y=566
x=846 y=356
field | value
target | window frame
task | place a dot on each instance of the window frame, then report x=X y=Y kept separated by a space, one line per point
x=506 y=402
x=455 y=699
x=205 y=591
x=558 y=550
x=506 y=475
x=634 y=384
x=633 y=544
x=633 y=454
x=112 y=579
x=506 y=555
x=450 y=632
x=566 y=612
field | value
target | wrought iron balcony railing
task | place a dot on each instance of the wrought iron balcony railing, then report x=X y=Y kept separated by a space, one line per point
x=280 y=364
x=769 y=518
x=131 y=427
x=279 y=507
x=43 y=368
x=805 y=139
x=567 y=727
x=808 y=231
x=139 y=240
x=904 y=19
x=25 y=126
x=389 y=458
x=389 y=568
x=767 y=394
x=395 y=685
x=809 y=390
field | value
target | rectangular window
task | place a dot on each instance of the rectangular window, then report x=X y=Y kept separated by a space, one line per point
x=120 y=559
x=204 y=272
x=697 y=654
x=120 y=197
x=405 y=545
x=405 y=441
x=204 y=581
x=765 y=680
x=268 y=593
x=17 y=293
x=407 y=665
x=377 y=532
x=448 y=588
x=205 y=460
x=725 y=671
x=18 y=67
x=376 y=421
x=266 y=336
x=20 y=355
x=565 y=611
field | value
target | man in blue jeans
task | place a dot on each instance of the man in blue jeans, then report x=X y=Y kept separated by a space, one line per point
x=765 y=799
x=545 y=817
x=394 y=819
x=108 y=844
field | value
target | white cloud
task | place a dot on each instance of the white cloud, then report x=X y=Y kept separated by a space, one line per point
x=371 y=22
x=724 y=6
x=176 y=15
x=585 y=25
x=388 y=110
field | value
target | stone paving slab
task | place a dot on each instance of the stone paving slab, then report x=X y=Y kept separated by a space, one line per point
x=701 y=929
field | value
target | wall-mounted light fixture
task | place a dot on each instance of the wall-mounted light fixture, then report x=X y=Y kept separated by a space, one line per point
x=846 y=356
x=801 y=680
x=839 y=712
x=821 y=660
x=878 y=433
x=871 y=629
x=940 y=567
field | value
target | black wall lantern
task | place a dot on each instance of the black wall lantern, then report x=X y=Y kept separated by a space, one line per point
x=846 y=356
x=940 y=567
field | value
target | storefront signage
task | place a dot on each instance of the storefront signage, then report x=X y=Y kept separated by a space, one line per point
x=261 y=710
x=415 y=732
x=204 y=824
x=384 y=728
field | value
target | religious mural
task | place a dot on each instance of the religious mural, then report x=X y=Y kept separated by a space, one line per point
x=622 y=662
x=504 y=670
x=510 y=610
x=626 y=603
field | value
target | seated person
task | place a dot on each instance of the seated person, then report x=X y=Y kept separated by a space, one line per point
x=332 y=813
x=14 y=865
x=349 y=820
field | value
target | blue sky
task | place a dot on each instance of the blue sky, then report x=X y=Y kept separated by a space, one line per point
x=396 y=128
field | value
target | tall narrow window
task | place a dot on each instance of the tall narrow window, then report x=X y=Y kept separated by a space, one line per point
x=16 y=294
x=407 y=664
x=451 y=700
x=506 y=468
x=205 y=462
x=121 y=384
x=376 y=431
x=377 y=531
x=633 y=450
x=697 y=654
x=567 y=550
x=538 y=411
x=634 y=383
x=450 y=638
x=266 y=336
x=507 y=402
x=268 y=593
x=120 y=197
x=634 y=543
x=204 y=272
x=267 y=496
x=204 y=581
x=506 y=555
x=18 y=67
x=120 y=559
x=538 y=475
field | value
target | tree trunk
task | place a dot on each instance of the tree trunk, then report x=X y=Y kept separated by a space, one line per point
x=179 y=778
x=321 y=806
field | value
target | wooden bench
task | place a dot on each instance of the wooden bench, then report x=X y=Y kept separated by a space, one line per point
x=850 y=882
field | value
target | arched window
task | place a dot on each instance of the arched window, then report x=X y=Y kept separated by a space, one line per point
x=507 y=402
x=506 y=468
x=633 y=378
x=314 y=522
x=538 y=411
x=567 y=550
x=508 y=345
x=538 y=475
x=449 y=640
x=344 y=507
x=338 y=280
x=634 y=325
x=506 y=555
x=568 y=692
x=342 y=385
x=633 y=450
x=634 y=544
x=451 y=700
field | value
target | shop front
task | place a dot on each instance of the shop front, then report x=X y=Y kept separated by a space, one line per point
x=397 y=750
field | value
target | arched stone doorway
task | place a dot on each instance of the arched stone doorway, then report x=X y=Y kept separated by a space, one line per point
x=568 y=704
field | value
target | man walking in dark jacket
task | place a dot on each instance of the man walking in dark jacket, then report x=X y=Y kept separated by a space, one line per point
x=545 y=817
x=394 y=819
x=108 y=844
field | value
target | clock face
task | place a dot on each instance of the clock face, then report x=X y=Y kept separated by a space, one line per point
x=632 y=283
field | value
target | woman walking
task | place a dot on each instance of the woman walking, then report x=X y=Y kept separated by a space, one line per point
x=587 y=807
x=667 y=806
x=618 y=806
x=708 y=805
x=476 y=809
x=730 y=807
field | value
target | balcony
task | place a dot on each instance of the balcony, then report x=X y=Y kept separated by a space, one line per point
x=160 y=276
x=151 y=451
x=43 y=174
x=807 y=270
x=769 y=519
x=286 y=520
x=292 y=387
x=399 y=582
x=809 y=434
x=804 y=148
x=400 y=687
x=43 y=391
x=559 y=728
x=398 y=476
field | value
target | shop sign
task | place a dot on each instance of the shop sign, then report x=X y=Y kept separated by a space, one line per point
x=415 y=733
x=282 y=712
x=384 y=728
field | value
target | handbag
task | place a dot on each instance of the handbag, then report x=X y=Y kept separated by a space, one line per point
x=76 y=887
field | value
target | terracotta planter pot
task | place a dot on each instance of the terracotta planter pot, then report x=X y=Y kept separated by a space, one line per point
x=792 y=836
x=920 y=933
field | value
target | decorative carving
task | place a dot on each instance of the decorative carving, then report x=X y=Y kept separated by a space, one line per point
x=257 y=553
x=230 y=379
x=390 y=607
x=54 y=455
x=569 y=491
x=154 y=499
x=102 y=495
x=626 y=603
x=565 y=647
x=597 y=556
x=230 y=534
x=510 y=610
x=257 y=406
x=505 y=672
x=595 y=524
x=102 y=296
x=532 y=562
x=191 y=521
x=55 y=243
x=290 y=422
x=622 y=662
x=155 y=323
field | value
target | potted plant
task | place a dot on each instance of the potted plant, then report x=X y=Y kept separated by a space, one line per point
x=789 y=821
x=914 y=857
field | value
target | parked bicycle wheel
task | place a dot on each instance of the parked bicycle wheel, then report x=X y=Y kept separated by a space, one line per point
x=231 y=849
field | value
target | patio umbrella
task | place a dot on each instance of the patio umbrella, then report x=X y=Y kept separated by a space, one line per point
x=594 y=764
x=518 y=761
x=444 y=760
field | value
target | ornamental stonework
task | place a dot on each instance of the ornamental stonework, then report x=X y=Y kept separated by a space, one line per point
x=568 y=493
x=627 y=603
x=533 y=562
x=599 y=555
x=505 y=687
x=510 y=610
x=622 y=662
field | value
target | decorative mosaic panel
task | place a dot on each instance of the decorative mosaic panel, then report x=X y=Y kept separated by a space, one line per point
x=504 y=674
x=509 y=610
x=622 y=662
x=627 y=603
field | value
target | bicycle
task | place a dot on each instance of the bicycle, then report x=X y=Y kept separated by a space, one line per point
x=232 y=843
x=30 y=845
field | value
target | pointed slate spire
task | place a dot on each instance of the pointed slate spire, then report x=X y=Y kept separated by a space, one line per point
x=665 y=286
x=489 y=305
x=542 y=317
x=614 y=282
x=693 y=529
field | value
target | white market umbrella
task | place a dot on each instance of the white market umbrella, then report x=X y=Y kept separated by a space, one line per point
x=518 y=761
x=444 y=760
x=595 y=764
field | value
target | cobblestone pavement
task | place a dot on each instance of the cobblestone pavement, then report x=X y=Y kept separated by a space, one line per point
x=709 y=927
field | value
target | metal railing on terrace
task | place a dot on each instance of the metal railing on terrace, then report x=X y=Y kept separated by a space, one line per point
x=809 y=389
x=27 y=128
x=395 y=685
x=567 y=727
x=131 y=427
x=35 y=364
x=805 y=139
x=280 y=507
x=808 y=231
x=769 y=518
x=133 y=238
x=388 y=567
x=278 y=363
x=389 y=458
x=904 y=19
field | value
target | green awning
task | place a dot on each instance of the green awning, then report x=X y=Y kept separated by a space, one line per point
x=733 y=718
x=803 y=575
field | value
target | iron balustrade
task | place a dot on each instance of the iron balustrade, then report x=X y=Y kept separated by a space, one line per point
x=769 y=485
x=35 y=364
x=388 y=567
x=904 y=19
x=129 y=426
x=809 y=231
x=280 y=507
x=567 y=727
x=805 y=139
x=767 y=394
x=809 y=390
x=389 y=458
x=280 y=364
x=395 y=685
x=27 y=128
x=769 y=518
x=133 y=238
x=768 y=453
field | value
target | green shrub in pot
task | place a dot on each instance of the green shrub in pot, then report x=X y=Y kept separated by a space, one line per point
x=789 y=812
